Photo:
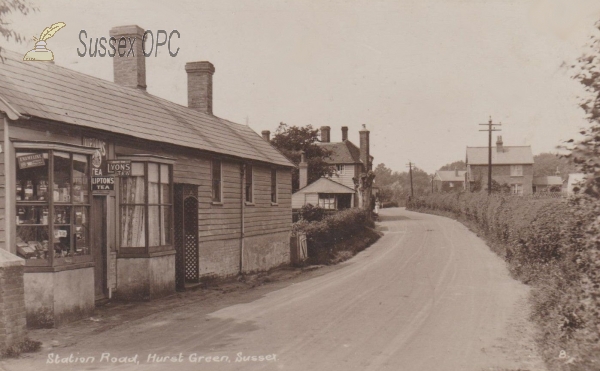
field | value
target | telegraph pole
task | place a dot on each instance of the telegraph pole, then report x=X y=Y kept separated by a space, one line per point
x=412 y=192
x=489 y=130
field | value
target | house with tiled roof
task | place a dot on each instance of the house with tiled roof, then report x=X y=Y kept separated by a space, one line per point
x=347 y=161
x=511 y=166
x=449 y=180
x=112 y=192
x=550 y=183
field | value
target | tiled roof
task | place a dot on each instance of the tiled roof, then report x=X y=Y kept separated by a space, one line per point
x=325 y=185
x=510 y=155
x=450 y=175
x=547 y=180
x=47 y=91
x=342 y=153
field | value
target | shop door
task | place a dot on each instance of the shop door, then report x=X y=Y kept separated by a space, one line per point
x=99 y=250
x=186 y=234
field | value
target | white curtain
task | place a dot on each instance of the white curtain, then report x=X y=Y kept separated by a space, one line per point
x=132 y=217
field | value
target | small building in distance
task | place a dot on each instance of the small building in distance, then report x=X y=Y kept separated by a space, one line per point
x=511 y=165
x=449 y=180
x=553 y=183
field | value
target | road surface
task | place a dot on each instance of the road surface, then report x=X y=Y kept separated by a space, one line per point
x=429 y=295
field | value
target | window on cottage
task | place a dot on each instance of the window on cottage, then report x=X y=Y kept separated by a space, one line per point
x=274 y=185
x=516 y=170
x=146 y=208
x=327 y=201
x=451 y=185
x=216 y=181
x=340 y=169
x=52 y=205
x=249 y=185
x=516 y=189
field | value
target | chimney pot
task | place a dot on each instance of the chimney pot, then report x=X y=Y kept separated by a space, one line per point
x=325 y=134
x=365 y=155
x=303 y=167
x=200 y=86
x=499 y=144
x=266 y=134
x=130 y=70
x=344 y=133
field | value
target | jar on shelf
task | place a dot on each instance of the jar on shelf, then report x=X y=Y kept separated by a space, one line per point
x=19 y=191
x=55 y=193
x=45 y=216
x=42 y=190
x=29 y=191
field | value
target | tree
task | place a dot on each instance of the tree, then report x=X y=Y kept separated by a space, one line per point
x=456 y=165
x=13 y=6
x=547 y=164
x=292 y=140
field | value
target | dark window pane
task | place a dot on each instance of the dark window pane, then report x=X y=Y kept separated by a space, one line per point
x=273 y=185
x=216 y=180
x=62 y=177
x=249 y=190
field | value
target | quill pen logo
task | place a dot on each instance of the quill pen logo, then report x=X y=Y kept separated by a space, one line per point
x=40 y=52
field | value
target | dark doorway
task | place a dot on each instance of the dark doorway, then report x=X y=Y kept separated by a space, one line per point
x=99 y=249
x=186 y=234
x=344 y=201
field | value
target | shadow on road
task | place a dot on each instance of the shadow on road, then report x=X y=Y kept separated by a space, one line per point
x=392 y=218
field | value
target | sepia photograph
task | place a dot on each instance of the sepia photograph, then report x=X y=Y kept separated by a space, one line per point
x=368 y=185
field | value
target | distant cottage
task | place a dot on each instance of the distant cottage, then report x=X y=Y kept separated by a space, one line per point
x=449 y=180
x=113 y=192
x=511 y=165
x=338 y=191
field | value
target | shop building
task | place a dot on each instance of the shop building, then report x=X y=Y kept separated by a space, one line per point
x=111 y=192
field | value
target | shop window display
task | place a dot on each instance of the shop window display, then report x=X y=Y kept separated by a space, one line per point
x=52 y=206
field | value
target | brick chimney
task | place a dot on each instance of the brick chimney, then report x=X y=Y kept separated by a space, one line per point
x=365 y=155
x=455 y=172
x=303 y=166
x=266 y=134
x=325 y=134
x=344 y=133
x=200 y=86
x=130 y=69
x=499 y=144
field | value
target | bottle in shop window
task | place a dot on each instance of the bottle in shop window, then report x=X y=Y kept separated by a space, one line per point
x=42 y=190
x=29 y=191
x=66 y=193
x=55 y=193
x=45 y=216
x=20 y=215
x=19 y=191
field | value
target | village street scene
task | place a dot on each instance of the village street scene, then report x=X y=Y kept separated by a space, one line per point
x=301 y=185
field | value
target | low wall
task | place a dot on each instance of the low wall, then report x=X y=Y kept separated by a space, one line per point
x=266 y=251
x=12 y=300
x=145 y=278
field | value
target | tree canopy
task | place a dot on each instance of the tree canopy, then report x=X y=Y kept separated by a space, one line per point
x=547 y=164
x=13 y=6
x=292 y=140
x=395 y=186
x=456 y=165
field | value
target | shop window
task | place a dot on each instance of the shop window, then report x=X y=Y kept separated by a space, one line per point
x=249 y=185
x=52 y=204
x=216 y=181
x=274 y=186
x=146 y=207
x=327 y=201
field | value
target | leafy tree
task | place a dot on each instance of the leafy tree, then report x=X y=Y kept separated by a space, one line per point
x=546 y=164
x=13 y=6
x=292 y=140
x=458 y=165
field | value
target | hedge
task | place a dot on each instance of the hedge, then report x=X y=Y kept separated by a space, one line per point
x=553 y=245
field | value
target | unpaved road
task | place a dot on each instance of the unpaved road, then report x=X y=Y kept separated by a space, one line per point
x=429 y=295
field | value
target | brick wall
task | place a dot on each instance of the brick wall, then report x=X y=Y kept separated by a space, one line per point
x=501 y=174
x=12 y=300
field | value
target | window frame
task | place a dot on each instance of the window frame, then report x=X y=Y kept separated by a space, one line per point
x=340 y=169
x=220 y=180
x=517 y=189
x=53 y=262
x=516 y=170
x=147 y=250
x=328 y=197
x=249 y=200
x=274 y=187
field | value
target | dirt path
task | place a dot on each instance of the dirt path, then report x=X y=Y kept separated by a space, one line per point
x=429 y=295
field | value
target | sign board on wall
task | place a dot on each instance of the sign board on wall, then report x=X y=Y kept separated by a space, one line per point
x=119 y=167
x=101 y=180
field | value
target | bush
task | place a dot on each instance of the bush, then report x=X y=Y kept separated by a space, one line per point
x=553 y=245
x=324 y=236
x=311 y=213
x=387 y=204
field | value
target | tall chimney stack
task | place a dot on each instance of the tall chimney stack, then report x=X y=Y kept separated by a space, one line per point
x=344 y=133
x=325 y=134
x=303 y=166
x=200 y=86
x=499 y=144
x=365 y=155
x=266 y=134
x=130 y=68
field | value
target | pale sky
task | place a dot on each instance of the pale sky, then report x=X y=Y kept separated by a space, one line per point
x=420 y=74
